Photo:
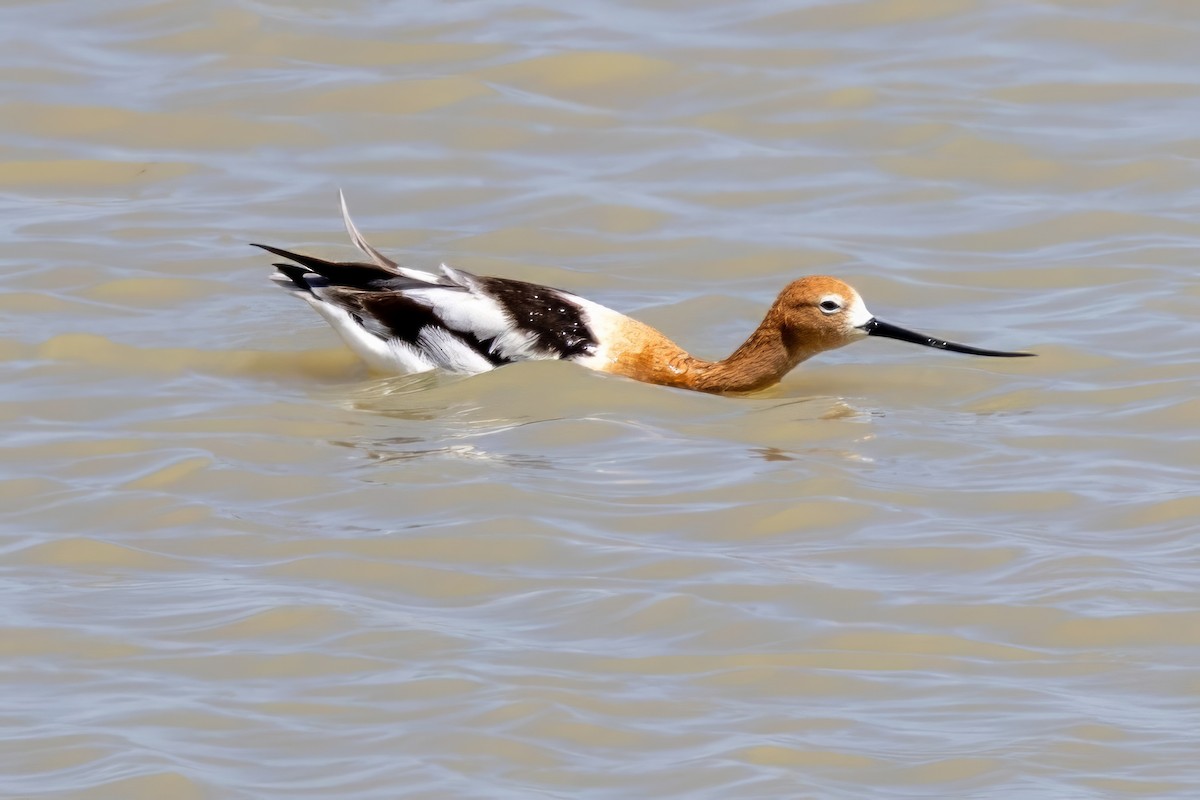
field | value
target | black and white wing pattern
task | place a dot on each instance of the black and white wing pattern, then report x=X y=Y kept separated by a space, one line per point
x=404 y=320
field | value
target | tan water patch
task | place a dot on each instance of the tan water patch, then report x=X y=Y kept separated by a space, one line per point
x=32 y=303
x=89 y=173
x=804 y=515
x=308 y=622
x=412 y=96
x=780 y=756
x=1113 y=787
x=241 y=37
x=973 y=158
x=154 y=292
x=1093 y=94
x=424 y=581
x=609 y=218
x=584 y=76
x=99 y=351
x=87 y=554
x=153 y=787
x=1066 y=227
x=170 y=130
x=1165 y=511
x=171 y=474
x=1177 y=629
x=889 y=644
x=53 y=753
x=65 y=645
x=949 y=770
x=264 y=666
x=470 y=745
x=872 y=13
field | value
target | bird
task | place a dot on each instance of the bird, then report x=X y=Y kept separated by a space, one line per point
x=402 y=320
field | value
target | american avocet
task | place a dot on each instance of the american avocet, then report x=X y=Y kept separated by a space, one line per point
x=406 y=320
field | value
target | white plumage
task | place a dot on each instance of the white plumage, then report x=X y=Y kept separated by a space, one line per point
x=408 y=320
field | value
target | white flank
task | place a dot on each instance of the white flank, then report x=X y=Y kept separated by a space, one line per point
x=391 y=355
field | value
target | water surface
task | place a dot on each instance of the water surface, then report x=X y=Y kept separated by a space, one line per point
x=236 y=565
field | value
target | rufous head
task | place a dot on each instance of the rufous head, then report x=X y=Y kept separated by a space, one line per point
x=821 y=313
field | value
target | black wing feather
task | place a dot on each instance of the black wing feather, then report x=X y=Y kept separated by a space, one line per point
x=556 y=324
x=350 y=274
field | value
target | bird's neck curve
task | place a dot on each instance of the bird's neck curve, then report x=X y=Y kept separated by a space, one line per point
x=761 y=361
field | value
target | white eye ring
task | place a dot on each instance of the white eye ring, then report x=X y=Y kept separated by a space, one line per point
x=830 y=305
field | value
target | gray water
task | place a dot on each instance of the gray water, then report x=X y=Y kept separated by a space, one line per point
x=237 y=565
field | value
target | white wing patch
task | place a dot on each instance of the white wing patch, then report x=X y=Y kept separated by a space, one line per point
x=463 y=310
x=481 y=316
x=450 y=352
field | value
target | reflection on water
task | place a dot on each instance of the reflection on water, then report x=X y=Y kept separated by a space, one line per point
x=238 y=565
x=405 y=448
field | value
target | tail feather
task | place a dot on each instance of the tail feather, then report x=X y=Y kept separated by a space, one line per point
x=294 y=278
x=360 y=241
x=317 y=279
x=352 y=274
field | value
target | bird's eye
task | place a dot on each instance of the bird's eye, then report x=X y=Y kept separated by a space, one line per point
x=830 y=306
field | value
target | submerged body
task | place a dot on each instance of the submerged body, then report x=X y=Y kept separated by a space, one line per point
x=402 y=320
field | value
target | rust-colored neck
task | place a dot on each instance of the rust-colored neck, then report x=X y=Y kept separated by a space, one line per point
x=772 y=351
x=761 y=361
